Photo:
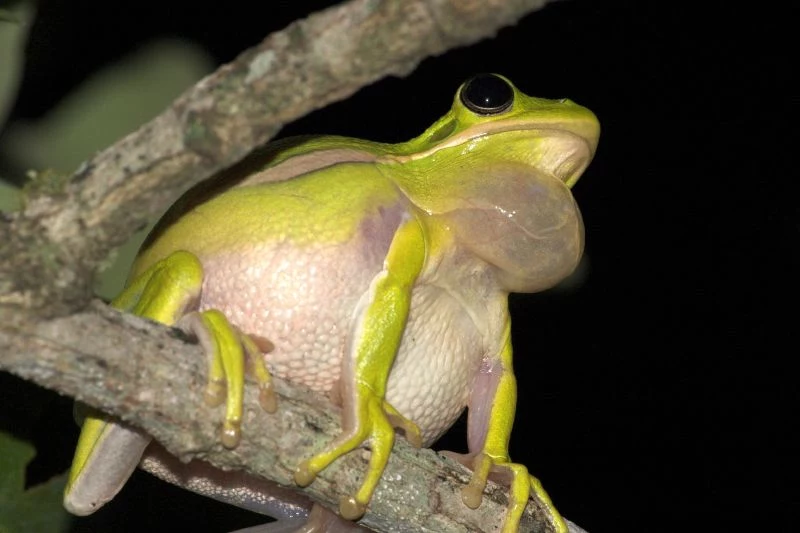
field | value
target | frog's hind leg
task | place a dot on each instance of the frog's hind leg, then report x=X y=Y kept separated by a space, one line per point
x=295 y=513
x=167 y=292
x=108 y=451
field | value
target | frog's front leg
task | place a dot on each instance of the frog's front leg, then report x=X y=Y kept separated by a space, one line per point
x=108 y=451
x=373 y=344
x=491 y=416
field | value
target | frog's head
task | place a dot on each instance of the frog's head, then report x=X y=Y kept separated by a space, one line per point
x=497 y=170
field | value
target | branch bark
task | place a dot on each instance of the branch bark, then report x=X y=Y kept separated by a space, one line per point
x=153 y=378
x=52 y=334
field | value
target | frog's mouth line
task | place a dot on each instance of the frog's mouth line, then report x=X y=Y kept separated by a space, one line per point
x=576 y=140
x=567 y=158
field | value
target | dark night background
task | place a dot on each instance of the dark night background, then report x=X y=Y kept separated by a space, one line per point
x=655 y=395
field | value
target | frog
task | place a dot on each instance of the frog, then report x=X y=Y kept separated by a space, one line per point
x=375 y=273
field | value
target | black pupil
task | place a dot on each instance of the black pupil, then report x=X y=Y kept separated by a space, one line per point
x=487 y=94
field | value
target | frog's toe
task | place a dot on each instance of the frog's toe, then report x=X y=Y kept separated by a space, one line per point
x=409 y=428
x=303 y=475
x=376 y=421
x=228 y=349
x=521 y=485
x=255 y=347
x=307 y=470
x=322 y=520
x=351 y=509
x=267 y=398
x=557 y=521
x=215 y=393
x=472 y=494
x=231 y=433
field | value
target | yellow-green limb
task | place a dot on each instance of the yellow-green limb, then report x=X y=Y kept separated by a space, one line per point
x=227 y=347
x=494 y=455
x=374 y=347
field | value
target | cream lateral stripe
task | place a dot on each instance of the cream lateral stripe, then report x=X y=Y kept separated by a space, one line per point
x=483 y=130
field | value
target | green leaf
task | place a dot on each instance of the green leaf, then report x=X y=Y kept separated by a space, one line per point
x=36 y=509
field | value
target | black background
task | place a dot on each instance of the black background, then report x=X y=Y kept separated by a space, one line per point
x=657 y=395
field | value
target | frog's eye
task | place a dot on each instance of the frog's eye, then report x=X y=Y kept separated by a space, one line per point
x=487 y=94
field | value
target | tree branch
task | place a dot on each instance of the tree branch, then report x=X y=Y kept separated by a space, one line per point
x=151 y=377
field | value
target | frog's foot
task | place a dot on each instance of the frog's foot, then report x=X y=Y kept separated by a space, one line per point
x=520 y=482
x=228 y=347
x=375 y=421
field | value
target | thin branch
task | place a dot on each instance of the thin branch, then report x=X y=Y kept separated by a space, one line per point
x=151 y=377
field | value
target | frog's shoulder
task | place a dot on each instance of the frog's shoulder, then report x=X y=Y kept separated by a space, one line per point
x=278 y=161
x=294 y=156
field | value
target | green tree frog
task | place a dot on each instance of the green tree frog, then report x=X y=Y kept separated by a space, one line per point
x=376 y=273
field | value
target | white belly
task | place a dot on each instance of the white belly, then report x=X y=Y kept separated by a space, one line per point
x=303 y=302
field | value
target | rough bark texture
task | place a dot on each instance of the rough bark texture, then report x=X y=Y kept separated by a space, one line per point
x=51 y=333
x=152 y=378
